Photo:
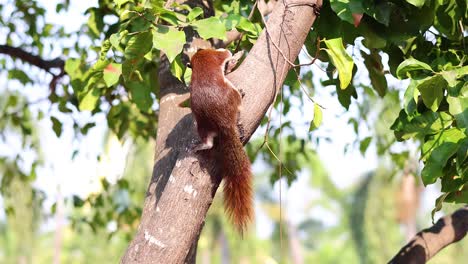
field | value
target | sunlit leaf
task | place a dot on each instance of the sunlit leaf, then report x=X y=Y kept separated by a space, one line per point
x=411 y=67
x=417 y=3
x=90 y=99
x=169 y=40
x=177 y=68
x=210 y=28
x=317 y=118
x=112 y=74
x=194 y=13
x=432 y=91
x=342 y=61
x=440 y=148
x=458 y=107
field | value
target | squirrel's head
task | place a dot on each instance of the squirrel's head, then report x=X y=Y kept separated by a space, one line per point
x=207 y=59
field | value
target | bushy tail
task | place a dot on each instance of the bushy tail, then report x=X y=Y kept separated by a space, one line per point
x=237 y=175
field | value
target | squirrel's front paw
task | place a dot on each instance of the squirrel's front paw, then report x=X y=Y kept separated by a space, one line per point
x=241 y=129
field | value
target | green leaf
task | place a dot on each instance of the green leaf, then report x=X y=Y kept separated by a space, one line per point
x=241 y=23
x=450 y=77
x=140 y=94
x=194 y=13
x=187 y=75
x=169 y=40
x=90 y=99
x=460 y=196
x=344 y=96
x=372 y=38
x=84 y=130
x=170 y=17
x=116 y=38
x=411 y=97
x=112 y=74
x=19 y=75
x=247 y=26
x=77 y=201
x=428 y=123
x=346 y=8
x=121 y=2
x=317 y=118
x=458 y=107
x=210 y=28
x=364 y=145
x=130 y=70
x=72 y=67
x=341 y=60
x=417 y=3
x=439 y=149
x=447 y=16
x=105 y=184
x=432 y=91
x=138 y=45
x=56 y=126
x=95 y=21
x=374 y=65
x=438 y=205
x=461 y=72
x=177 y=68
x=410 y=68
x=400 y=159
x=381 y=11
x=451 y=182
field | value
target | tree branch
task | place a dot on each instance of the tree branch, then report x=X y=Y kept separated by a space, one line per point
x=428 y=242
x=32 y=59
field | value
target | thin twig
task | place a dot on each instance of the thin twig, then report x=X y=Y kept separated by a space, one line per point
x=292 y=64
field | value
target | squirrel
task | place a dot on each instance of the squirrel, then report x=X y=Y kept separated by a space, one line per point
x=215 y=104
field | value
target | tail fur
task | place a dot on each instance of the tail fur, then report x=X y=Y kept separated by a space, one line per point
x=237 y=175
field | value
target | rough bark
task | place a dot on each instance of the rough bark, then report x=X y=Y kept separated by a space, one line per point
x=182 y=189
x=430 y=241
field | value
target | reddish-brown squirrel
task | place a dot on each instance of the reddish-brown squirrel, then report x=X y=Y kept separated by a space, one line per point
x=215 y=103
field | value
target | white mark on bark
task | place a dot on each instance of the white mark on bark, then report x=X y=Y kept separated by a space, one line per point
x=191 y=50
x=171 y=179
x=190 y=190
x=157 y=209
x=137 y=247
x=178 y=163
x=170 y=97
x=152 y=240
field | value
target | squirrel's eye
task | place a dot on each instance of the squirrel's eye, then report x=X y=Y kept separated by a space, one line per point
x=188 y=65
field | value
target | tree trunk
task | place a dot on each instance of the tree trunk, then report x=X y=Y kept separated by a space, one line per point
x=182 y=189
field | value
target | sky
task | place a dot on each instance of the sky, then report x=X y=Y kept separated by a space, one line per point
x=81 y=175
